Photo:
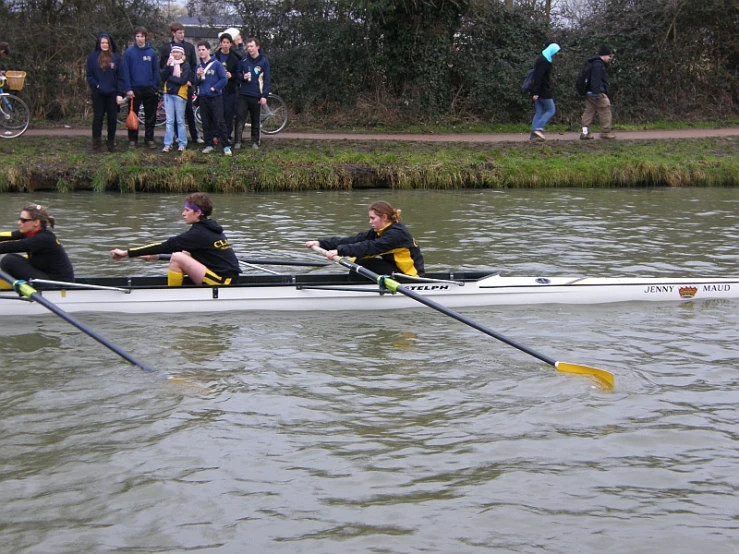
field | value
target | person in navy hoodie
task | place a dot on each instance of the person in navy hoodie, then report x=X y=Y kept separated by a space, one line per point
x=254 y=78
x=107 y=86
x=141 y=74
x=229 y=58
x=212 y=79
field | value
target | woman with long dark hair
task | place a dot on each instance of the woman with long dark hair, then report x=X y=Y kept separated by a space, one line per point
x=107 y=88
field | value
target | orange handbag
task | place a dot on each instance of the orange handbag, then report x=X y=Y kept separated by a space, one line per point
x=132 y=121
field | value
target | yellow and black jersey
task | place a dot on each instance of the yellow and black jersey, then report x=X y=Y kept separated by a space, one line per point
x=393 y=243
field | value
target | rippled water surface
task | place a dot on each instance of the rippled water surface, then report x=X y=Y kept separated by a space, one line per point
x=380 y=432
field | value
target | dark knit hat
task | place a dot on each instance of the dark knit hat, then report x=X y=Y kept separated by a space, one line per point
x=604 y=50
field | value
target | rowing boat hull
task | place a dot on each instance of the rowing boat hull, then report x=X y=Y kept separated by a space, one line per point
x=335 y=293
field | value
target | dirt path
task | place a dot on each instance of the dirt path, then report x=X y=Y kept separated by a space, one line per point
x=468 y=137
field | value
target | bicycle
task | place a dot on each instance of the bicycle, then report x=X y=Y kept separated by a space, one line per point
x=15 y=116
x=161 y=115
x=273 y=116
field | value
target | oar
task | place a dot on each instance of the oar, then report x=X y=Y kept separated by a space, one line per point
x=26 y=290
x=283 y=262
x=248 y=261
x=602 y=375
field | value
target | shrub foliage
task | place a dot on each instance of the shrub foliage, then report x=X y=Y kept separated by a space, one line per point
x=372 y=62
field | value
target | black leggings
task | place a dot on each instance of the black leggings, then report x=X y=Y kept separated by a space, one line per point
x=20 y=268
x=102 y=105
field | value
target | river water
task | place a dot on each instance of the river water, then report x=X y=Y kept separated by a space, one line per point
x=380 y=432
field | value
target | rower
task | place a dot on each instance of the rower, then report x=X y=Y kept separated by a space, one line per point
x=388 y=247
x=45 y=257
x=203 y=253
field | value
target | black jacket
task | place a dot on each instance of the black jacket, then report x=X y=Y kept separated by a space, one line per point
x=542 y=78
x=45 y=252
x=394 y=244
x=231 y=64
x=190 y=55
x=205 y=242
x=598 y=76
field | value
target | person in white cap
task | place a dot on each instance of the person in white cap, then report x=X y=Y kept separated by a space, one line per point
x=238 y=42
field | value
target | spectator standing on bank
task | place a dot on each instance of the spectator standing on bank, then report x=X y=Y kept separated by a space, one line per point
x=596 y=100
x=176 y=74
x=141 y=73
x=229 y=59
x=254 y=77
x=104 y=71
x=542 y=92
x=178 y=37
x=211 y=77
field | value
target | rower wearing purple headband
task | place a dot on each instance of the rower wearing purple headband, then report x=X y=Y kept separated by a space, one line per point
x=203 y=253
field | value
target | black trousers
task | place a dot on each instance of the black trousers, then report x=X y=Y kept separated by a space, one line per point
x=149 y=97
x=102 y=105
x=211 y=112
x=251 y=105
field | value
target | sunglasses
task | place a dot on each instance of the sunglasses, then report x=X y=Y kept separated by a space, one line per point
x=24 y=220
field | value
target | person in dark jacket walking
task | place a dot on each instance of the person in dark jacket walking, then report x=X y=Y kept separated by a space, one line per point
x=44 y=257
x=141 y=73
x=386 y=248
x=542 y=92
x=203 y=253
x=178 y=37
x=104 y=72
x=254 y=80
x=597 y=101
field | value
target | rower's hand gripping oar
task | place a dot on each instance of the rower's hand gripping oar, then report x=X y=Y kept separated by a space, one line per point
x=603 y=376
x=26 y=290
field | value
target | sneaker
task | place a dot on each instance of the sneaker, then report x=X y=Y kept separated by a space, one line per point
x=538 y=134
x=608 y=136
x=182 y=148
x=237 y=146
x=227 y=151
x=255 y=146
x=586 y=136
x=199 y=140
x=151 y=145
x=167 y=149
x=132 y=144
x=207 y=150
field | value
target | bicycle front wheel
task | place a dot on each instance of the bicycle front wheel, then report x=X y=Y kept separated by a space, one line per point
x=15 y=116
x=274 y=115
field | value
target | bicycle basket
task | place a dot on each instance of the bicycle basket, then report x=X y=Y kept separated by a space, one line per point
x=15 y=79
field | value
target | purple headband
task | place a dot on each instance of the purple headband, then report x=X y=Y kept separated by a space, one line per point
x=193 y=207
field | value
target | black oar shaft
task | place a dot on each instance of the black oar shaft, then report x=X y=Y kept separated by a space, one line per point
x=31 y=293
x=283 y=262
x=602 y=375
x=451 y=313
x=165 y=257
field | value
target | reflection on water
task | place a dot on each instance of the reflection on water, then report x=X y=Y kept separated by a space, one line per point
x=385 y=432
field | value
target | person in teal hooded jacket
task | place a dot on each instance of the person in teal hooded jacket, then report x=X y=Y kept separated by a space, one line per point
x=542 y=92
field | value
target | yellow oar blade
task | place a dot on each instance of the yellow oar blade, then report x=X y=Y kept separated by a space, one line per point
x=603 y=376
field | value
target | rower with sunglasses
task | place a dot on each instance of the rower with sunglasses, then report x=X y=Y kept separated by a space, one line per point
x=44 y=257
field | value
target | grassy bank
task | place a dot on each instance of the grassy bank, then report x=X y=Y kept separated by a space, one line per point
x=66 y=164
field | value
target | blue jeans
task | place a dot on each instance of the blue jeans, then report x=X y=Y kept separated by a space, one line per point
x=174 y=108
x=544 y=112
